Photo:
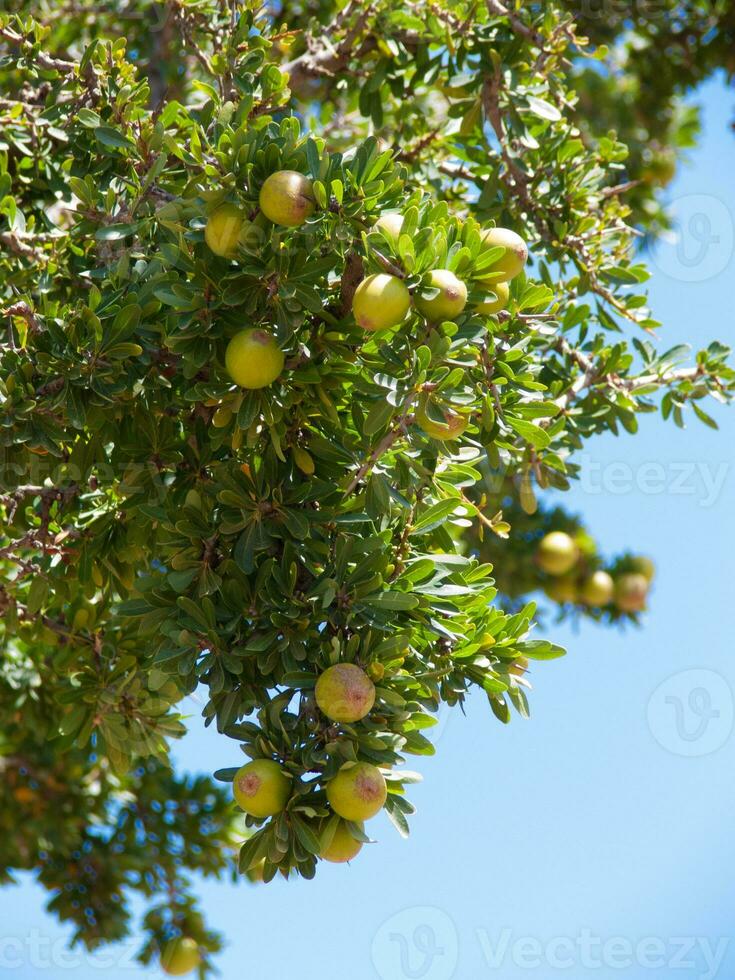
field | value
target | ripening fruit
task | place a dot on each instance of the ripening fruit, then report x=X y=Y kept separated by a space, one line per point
x=253 y=358
x=452 y=427
x=451 y=300
x=509 y=265
x=345 y=693
x=643 y=566
x=562 y=588
x=631 y=592
x=390 y=224
x=223 y=230
x=597 y=590
x=380 y=301
x=287 y=198
x=261 y=788
x=502 y=291
x=342 y=847
x=180 y=956
x=557 y=553
x=357 y=792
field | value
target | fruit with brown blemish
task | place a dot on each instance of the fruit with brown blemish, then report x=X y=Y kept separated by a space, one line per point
x=380 y=301
x=253 y=358
x=357 y=792
x=343 y=846
x=344 y=693
x=287 y=198
x=513 y=261
x=261 y=788
x=448 y=302
x=631 y=592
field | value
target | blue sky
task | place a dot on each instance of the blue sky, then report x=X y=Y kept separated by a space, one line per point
x=596 y=838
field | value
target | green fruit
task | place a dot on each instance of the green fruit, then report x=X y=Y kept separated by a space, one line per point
x=502 y=291
x=597 y=590
x=253 y=358
x=287 y=198
x=261 y=788
x=439 y=422
x=357 y=792
x=450 y=301
x=509 y=265
x=342 y=847
x=223 y=230
x=390 y=224
x=380 y=301
x=557 y=553
x=345 y=693
x=180 y=956
x=562 y=588
x=631 y=592
x=643 y=566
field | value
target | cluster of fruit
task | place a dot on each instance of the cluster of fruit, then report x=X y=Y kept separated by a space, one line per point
x=253 y=358
x=562 y=558
x=344 y=694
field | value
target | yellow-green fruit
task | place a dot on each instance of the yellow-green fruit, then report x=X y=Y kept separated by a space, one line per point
x=562 y=588
x=287 y=198
x=357 y=792
x=253 y=358
x=451 y=300
x=502 y=291
x=597 y=590
x=380 y=301
x=429 y=416
x=509 y=265
x=345 y=693
x=261 y=788
x=631 y=592
x=557 y=553
x=643 y=566
x=390 y=224
x=376 y=671
x=342 y=847
x=180 y=956
x=224 y=227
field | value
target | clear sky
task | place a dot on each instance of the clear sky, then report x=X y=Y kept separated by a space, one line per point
x=595 y=839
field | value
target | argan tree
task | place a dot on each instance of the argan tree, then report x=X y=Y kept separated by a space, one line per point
x=304 y=308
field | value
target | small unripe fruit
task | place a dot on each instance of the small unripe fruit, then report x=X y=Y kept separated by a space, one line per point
x=253 y=358
x=261 y=788
x=557 y=553
x=391 y=225
x=180 y=956
x=597 y=590
x=451 y=300
x=344 y=693
x=357 y=792
x=380 y=301
x=519 y=667
x=287 y=198
x=502 y=291
x=643 y=566
x=223 y=230
x=631 y=592
x=342 y=847
x=508 y=266
x=452 y=426
x=562 y=588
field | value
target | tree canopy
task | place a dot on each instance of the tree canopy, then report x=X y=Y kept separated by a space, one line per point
x=168 y=523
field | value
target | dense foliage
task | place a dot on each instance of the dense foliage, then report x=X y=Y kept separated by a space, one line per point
x=164 y=530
